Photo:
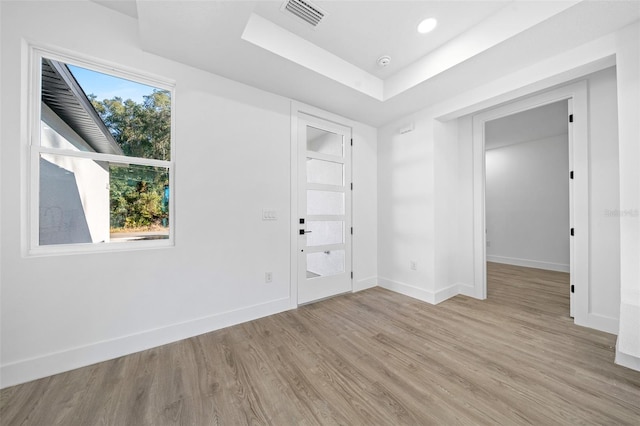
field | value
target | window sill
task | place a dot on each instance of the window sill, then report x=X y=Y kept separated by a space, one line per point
x=78 y=249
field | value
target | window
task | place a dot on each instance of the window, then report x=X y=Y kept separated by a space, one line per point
x=101 y=158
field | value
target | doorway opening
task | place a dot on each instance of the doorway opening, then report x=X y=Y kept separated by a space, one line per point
x=528 y=201
x=575 y=95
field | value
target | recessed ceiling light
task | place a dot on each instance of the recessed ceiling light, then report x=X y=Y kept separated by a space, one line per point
x=427 y=25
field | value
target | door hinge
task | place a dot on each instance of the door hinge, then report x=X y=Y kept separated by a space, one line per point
x=351 y=141
x=573 y=288
x=571 y=174
x=352 y=186
x=352 y=230
x=570 y=118
x=351 y=274
x=572 y=232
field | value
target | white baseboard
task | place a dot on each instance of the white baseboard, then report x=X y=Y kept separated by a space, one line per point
x=446 y=293
x=467 y=290
x=602 y=323
x=549 y=266
x=419 y=293
x=365 y=283
x=627 y=360
x=407 y=290
x=38 y=367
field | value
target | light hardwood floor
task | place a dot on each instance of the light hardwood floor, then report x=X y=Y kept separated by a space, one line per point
x=370 y=358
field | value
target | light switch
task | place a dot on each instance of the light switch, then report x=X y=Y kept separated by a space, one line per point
x=269 y=214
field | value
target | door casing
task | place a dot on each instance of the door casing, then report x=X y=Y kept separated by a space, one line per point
x=577 y=95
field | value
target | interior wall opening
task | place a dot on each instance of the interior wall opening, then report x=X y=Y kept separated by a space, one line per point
x=527 y=203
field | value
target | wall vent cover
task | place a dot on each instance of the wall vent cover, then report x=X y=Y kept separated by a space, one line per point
x=305 y=10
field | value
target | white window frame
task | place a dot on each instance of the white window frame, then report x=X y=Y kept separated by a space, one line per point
x=36 y=53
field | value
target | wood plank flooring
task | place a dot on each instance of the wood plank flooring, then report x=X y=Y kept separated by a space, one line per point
x=370 y=358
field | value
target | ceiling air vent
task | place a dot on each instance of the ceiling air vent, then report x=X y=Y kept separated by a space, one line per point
x=305 y=10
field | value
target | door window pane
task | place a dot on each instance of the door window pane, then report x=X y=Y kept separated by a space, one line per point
x=325 y=172
x=324 y=142
x=324 y=202
x=325 y=232
x=325 y=263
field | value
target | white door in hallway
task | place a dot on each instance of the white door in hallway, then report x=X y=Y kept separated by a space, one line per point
x=324 y=209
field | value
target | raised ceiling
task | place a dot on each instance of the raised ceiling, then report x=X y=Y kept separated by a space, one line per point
x=362 y=31
x=333 y=66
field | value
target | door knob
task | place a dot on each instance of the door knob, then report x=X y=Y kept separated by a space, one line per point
x=302 y=232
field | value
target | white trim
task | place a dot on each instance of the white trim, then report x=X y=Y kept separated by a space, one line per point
x=580 y=159
x=88 y=248
x=559 y=70
x=293 y=196
x=602 y=323
x=100 y=65
x=365 y=284
x=419 y=293
x=466 y=289
x=110 y=158
x=627 y=360
x=479 y=219
x=549 y=266
x=322 y=114
x=446 y=293
x=46 y=365
x=407 y=290
x=572 y=246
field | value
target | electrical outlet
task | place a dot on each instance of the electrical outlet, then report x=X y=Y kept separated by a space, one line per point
x=268 y=277
x=413 y=265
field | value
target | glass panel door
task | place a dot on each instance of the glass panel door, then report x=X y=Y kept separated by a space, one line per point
x=324 y=206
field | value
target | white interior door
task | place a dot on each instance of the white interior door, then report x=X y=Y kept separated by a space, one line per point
x=324 y=209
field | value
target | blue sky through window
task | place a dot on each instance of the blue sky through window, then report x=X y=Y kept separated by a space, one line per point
x=107 y=87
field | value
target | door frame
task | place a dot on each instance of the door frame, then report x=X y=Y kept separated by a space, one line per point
x=298 y=108
x=577 y=95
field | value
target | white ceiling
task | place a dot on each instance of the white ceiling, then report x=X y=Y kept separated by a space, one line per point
x=128 y=7
x=333 y=66
x=530 y=125
x=362 y=31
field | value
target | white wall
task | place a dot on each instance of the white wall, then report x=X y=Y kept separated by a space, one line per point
x=232 y=160
x=446 y=169
x=628 y=74
x=406 y=209
x=364 y=160
x=604 y=195
x=464 y=218
x=604 y=275
x=410 y=225
x=527 y=203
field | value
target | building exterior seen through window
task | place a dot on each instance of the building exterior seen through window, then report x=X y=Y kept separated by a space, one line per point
x=103 y=156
